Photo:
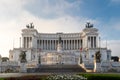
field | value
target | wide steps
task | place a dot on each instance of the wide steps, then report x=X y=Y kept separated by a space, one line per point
x=57 y=68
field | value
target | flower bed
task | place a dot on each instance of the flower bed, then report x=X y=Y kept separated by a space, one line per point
x=65 y=77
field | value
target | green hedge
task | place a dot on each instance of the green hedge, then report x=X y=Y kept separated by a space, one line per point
x=103 y=76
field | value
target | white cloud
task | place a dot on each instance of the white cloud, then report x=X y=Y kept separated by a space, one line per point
x=113 y=45
x=52 y=8
x=14 y=18
x=10 y=9
x=116 y=25
x=114 y=2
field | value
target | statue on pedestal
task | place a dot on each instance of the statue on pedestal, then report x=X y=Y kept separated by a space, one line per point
x=30 y=26
x=23 y=57
x=89 y=25
x=60 y=40
x=23 y=61
x=98 y=57
x=59 y=46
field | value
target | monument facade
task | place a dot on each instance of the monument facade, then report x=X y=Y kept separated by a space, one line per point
x=60 y=48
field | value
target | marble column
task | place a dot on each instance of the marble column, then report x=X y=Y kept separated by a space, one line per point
x=50 y=45
x=24 y=44
x=37 y=43
x=55 y=44
x=41 y=44
x=66 y=44
x=71 y=44
x=44 y=44
x=77 y=44
x=93 y=42
x=89 y=43
x=74 y=44
x=31 y=42
x=63 y=45
x=27 y=42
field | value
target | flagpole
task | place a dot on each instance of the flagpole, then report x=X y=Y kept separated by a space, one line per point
x=13 y=43
x=106 y=44
x=20 y=42
x=99 y=42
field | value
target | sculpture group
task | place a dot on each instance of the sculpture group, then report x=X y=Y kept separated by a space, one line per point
x=23 y=57
x=98 y=57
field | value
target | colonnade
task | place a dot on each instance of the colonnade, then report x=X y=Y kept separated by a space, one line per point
x=27 y=42
x=92 y=42
x=66 y=44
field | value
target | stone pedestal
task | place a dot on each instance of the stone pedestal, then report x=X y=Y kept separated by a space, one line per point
x=97 y=67
x=59 y=48
x=23 y=68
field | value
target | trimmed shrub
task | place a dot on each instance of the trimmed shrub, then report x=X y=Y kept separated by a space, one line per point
x=101 y=76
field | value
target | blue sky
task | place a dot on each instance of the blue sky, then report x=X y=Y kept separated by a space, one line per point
x=59 y=16
x=106 y=12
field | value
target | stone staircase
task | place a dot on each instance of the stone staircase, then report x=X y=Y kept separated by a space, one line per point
x=57 y=68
